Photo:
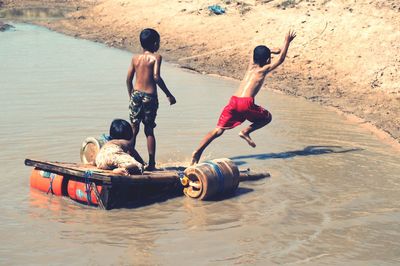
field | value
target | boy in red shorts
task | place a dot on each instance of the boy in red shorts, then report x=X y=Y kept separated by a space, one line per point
x=241 y=106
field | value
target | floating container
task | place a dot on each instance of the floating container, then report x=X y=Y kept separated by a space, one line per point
x=108 y=190
x=211 y=179
x=90 y=147
x=47 y=182
x=84 y=192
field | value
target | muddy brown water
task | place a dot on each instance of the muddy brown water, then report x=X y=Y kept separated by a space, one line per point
x=333 y=196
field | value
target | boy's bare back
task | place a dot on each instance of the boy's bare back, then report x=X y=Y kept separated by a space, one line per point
x=145 y=66
x=252 y=82
x=255 y=74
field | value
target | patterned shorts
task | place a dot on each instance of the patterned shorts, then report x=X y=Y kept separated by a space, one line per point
x=143 y=108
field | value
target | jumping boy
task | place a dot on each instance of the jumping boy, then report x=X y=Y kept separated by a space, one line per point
x=143 y=96
x=241 y=105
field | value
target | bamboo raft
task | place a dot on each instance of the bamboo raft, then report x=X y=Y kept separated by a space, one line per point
x=87 y=184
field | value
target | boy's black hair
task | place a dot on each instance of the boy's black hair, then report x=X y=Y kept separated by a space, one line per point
x=120 y=129
x=150 y=39
x=261 y=55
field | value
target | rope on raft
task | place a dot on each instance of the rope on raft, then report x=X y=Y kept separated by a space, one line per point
x=91 y=186
x=87 y=176
x=98 y=197
x=219 y=174
x=52 y=176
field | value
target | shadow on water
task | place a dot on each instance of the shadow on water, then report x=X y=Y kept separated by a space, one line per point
x=240 y=191
x=307 y=151
x=168 y=195
x=150 y=200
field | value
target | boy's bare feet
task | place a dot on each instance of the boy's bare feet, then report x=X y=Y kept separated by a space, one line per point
x=195 y=158
x=120 y=171
x=150 y=167
x=247 y=138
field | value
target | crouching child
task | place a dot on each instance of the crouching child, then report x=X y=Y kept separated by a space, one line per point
x=119 y=154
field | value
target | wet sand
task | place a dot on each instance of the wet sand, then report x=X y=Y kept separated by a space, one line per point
x=333 y=196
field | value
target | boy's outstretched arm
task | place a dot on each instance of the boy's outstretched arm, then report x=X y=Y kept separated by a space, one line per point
x=288 y=39
x=129 y=78
x=160 y=82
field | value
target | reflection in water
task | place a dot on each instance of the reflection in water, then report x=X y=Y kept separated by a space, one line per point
x=336 y=203
x=44 y=201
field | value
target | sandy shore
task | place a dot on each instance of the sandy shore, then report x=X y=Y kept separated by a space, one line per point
x=346 y=55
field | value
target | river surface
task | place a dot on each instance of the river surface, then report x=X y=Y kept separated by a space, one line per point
x=333 y=197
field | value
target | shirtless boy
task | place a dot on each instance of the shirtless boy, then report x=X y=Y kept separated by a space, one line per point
x=241 y=106
x=143 y=96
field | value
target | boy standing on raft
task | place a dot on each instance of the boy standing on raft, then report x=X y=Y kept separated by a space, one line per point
x=143 y=96
x=241 y=106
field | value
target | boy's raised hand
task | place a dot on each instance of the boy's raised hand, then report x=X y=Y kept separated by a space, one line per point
x=171 y=100
x=290 y=35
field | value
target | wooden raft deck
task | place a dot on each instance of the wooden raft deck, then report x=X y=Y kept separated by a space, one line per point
x=162 y=176
x=117 y=190
x=106 y=176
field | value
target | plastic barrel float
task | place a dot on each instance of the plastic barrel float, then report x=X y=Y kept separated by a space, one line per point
x=90 y=147
x=84 y=192
x=47 y=182
x=211 y=179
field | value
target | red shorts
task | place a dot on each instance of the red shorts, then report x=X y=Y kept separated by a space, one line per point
x=240 y=109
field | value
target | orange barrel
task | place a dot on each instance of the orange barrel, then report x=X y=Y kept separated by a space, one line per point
x=90 y=147
x=47 y=181
x=210 y=179
x=80 y=191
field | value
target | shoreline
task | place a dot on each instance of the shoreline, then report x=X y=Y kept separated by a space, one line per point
x=382 y=135
x=301 y=75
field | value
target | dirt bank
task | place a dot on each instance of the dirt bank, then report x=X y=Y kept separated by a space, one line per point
x=346 y=55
